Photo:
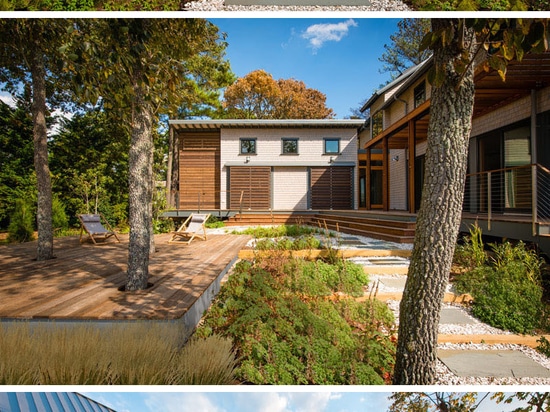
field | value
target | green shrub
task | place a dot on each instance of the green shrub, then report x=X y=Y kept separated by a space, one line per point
x=277 y=231
x=21 y=227
x=506 y=287
x=286 y=243
x=59 y=217
x=289 y=327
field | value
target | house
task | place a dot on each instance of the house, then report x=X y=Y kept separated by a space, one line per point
x=240 y=165
x=508 y=184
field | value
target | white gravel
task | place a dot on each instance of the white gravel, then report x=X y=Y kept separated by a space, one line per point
x=219 y=5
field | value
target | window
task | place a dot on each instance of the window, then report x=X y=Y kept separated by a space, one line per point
x=377 y=124
x=248 y=146
x=419 y=94
x=332 y=146
x=289 y=146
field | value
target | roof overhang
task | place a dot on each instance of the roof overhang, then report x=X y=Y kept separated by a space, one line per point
x=212 y=124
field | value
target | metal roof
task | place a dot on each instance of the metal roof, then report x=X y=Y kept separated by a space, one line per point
x=214 y=124
x=49 y=401
x=404 y=76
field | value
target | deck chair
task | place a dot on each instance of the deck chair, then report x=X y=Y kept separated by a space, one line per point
x=95 y=229
x=190 y=229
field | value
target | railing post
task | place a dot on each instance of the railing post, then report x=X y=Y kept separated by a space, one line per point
x=489 y=201
x=534 y=201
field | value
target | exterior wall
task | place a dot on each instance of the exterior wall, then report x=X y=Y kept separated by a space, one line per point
x=268 y=152
x=398 y=180
x=511 y=113
x=290 y=188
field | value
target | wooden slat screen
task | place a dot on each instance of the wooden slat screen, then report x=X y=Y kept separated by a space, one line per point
x=331 y=188
x=199 y=171
x=255 y=182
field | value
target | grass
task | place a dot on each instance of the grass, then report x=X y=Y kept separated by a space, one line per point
x=130 y=354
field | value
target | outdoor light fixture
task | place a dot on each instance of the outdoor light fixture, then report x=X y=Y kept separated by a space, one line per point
x=395 y=159
x=331 y=160
x=247 y=159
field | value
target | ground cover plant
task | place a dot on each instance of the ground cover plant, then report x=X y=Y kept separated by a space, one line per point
x=292 y=322
x=90 y=5
x=504 y=281
x=134 y=354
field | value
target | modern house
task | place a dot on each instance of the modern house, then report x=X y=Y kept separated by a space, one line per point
x=265 y=165
x=508 y=185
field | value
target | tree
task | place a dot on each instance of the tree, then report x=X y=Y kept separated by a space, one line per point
x=258 y=96
x=16 y=162
x=467 y=401
x=455 y=48
x=404 y=50
x=29 y=57
x=138 y=74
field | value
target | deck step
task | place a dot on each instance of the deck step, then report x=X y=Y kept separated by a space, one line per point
x=385 y=228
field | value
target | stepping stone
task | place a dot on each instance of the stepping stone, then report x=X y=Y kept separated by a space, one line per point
x=455 y=316
x=298 y=2
x=492 y=364
x=395 y=283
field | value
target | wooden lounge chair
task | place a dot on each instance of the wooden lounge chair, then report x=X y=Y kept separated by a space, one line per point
x=95 y=229
x=190 y=229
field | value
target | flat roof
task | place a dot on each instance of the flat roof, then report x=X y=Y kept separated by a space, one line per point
x=209 y=124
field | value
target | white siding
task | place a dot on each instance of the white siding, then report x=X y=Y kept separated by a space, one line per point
x=268 y=152
x=398 y=180
x=290 y=188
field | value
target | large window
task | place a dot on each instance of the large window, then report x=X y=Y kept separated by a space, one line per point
x=332 y=146
x=289 y=146
x=248 y=146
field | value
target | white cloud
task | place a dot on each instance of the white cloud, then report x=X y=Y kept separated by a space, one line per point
x=7 y=98
x=264 y=402
x=319 y=34
x=311 y=402
x=174 y=402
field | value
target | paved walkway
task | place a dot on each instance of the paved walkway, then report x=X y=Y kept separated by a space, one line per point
x=467 y=347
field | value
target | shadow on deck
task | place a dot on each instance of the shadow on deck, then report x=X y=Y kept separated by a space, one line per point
x=81 y=283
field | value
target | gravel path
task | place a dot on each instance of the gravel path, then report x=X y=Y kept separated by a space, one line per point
x=219 y=5
x=444 y=375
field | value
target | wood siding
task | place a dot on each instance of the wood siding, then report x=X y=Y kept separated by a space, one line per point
x=199 y=171
x=254 y=183
x=331 y=188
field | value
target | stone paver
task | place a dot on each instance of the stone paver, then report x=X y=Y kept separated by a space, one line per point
x=455 y=316
x=492 y=363
x=297 y=2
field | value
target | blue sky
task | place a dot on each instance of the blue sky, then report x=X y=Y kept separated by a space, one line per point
x=337 y=56
x=250 y=399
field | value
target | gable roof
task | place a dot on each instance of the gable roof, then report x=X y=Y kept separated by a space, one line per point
x=402 y=82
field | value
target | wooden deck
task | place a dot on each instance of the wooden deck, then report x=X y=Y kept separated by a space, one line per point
x=82 y=282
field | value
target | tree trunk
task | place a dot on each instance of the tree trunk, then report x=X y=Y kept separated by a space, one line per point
x=40 y=138
x=140 y=193
x=440 y=212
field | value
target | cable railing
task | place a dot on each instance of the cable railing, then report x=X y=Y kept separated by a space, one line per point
x=523 y=191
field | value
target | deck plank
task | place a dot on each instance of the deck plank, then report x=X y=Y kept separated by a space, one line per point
x=82 y=282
